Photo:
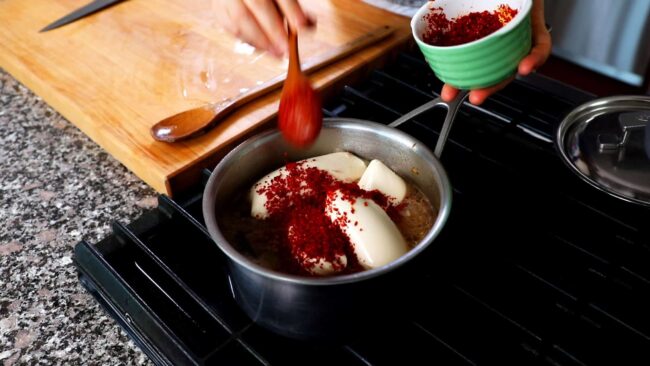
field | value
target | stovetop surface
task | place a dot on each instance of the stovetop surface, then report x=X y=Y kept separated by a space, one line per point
x=533 y=267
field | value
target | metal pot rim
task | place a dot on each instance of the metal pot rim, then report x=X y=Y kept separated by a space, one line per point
x=234 y=255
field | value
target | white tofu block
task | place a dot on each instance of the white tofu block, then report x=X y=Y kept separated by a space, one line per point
x=374 y=236
x=343 y=166
x=380 y=177
x=319 y=266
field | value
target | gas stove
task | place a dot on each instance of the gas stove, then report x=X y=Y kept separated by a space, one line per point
x=533 y=267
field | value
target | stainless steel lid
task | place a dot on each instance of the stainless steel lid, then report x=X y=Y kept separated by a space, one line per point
x=607 y=143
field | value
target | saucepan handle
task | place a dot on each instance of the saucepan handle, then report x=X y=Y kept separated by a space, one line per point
x=452 y=109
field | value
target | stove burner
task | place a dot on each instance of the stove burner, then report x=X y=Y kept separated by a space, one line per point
x=533 y=267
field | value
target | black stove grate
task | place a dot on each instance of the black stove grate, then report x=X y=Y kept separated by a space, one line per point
x=533 y=267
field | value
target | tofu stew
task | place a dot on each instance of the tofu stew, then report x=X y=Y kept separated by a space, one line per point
x=328 y=215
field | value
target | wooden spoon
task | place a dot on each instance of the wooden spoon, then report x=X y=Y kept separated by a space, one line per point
x=300 y=117
x=195 y=122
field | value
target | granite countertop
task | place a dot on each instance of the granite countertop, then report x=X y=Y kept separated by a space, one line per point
x=57 y=187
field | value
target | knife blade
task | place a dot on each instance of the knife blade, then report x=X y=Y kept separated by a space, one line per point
x=85 y=10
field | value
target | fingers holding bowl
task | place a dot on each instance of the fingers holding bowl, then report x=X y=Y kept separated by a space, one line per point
x=476 y=96
x=485 y=65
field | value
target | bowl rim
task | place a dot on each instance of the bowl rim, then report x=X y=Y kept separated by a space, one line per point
x=419 y=17
x=229 y=161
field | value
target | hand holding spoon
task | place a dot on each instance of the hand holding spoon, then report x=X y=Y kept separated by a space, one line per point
x=300 y=116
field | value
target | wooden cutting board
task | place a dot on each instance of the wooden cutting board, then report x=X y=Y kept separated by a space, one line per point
x=116 y=73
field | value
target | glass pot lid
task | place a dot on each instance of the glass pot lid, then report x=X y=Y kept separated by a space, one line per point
x=607 y=143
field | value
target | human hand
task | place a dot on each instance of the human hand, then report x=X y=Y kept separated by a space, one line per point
x=538 y=54
x=261 y=22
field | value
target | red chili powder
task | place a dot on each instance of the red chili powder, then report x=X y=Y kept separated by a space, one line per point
x=467 y=28
x=297 y=200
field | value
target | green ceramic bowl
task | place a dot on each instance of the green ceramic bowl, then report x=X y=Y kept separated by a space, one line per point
x=486 y=61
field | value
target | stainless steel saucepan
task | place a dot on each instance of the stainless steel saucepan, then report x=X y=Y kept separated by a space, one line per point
x=326 y=308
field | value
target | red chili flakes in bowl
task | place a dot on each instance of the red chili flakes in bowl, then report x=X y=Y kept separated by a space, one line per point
x=464 y=29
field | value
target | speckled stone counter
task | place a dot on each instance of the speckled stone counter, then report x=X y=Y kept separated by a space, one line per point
x=57 y=187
